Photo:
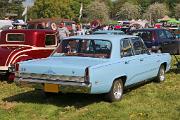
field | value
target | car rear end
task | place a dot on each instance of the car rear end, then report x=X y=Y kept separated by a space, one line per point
x=65 y=78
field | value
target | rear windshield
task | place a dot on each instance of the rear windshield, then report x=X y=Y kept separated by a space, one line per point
x=84 y=48
x=145 y=35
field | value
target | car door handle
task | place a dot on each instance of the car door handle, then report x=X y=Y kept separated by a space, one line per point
x=141 y=59
x=126 y=62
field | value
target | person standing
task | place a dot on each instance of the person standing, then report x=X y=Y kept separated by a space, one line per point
x=63 y=31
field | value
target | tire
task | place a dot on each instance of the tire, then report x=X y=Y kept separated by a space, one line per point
x=161 y=74
x=116 y=92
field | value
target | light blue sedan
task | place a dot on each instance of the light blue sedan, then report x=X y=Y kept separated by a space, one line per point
x=94 y=64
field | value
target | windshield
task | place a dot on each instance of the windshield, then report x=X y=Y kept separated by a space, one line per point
x=84 y=48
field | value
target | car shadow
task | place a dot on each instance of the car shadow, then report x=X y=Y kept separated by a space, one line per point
x=60 y=99
x=138 y=85
x=174 y=70
x=64 y=99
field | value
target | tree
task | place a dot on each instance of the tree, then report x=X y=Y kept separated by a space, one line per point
x=156 y=11
x=128 y=11
x=51 y=8
x=11 y=7
x=177 y=11
x=97 y=10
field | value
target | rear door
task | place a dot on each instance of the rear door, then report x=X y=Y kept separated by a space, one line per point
x=146 y=62
x=138 y=64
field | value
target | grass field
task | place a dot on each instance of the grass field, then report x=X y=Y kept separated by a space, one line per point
x=151 y=101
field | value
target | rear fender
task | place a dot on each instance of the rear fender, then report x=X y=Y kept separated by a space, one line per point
x=20 y=58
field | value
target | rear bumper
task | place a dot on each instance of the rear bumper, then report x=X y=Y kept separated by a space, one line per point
x=63 y=86
x=3 y=70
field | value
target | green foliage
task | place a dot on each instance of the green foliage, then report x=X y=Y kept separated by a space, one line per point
x=57 y=8
x=128 y=11
x=97 y=10
x=177 y=11
x=13 y=7
x=156 y=11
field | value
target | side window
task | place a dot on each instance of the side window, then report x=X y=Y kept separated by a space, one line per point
x=161 y=34
x=15 y=37
x=50 y=40
x=126 y=48
x=138 y=45
x=168 y=34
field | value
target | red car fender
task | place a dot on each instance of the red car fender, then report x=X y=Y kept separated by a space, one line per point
x=22 y=57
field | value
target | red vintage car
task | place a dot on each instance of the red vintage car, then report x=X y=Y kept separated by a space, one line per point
x=21 y=45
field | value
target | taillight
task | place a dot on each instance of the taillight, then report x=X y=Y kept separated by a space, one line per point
x=16 y=67
x=86 y=79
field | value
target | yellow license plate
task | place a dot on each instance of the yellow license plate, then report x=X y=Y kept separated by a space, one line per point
x=51 y=88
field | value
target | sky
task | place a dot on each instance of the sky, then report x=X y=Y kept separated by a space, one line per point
x=28 y=2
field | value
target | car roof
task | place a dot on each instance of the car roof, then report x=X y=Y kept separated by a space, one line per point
x=28 y=31
x=148 y=29
x=109 y=31
x=101 y=36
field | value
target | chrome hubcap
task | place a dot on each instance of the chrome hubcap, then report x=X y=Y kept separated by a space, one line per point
x=162 y=75
x=117 y=90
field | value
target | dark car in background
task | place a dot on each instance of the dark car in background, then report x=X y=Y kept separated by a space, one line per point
x=158 y=40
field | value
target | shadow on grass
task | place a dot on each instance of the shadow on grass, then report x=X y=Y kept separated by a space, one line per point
x=60 y=99
x=63 y=100
x=138 y=85
x=175 y=70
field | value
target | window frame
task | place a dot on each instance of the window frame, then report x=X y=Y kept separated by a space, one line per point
x=55 y=40
x=143 y=51
x=24 y=36
x=121 y=49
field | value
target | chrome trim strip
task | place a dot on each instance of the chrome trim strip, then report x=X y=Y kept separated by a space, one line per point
x=64 y=86
x=82 y=84
x=3 y=67
x=50 y=77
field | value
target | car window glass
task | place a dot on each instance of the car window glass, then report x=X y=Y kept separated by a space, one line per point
x=161 y=34
x=50 y=40
x=40 y=26
x=145 y=35
x=84 y=48
x=138 y=45
x=169 y=35
x=15 y=37
x=126 y=48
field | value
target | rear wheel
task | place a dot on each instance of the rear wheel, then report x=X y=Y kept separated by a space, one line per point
x=161 y=74
x=116 y=91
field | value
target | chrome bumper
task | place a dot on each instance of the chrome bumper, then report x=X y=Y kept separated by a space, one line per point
x=3 y=70
x=64 y=86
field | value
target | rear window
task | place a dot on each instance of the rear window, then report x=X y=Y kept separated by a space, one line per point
x=50 y=40
x=84 y=48
x=31 y=26
x=145 y=35
x=18 y=37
